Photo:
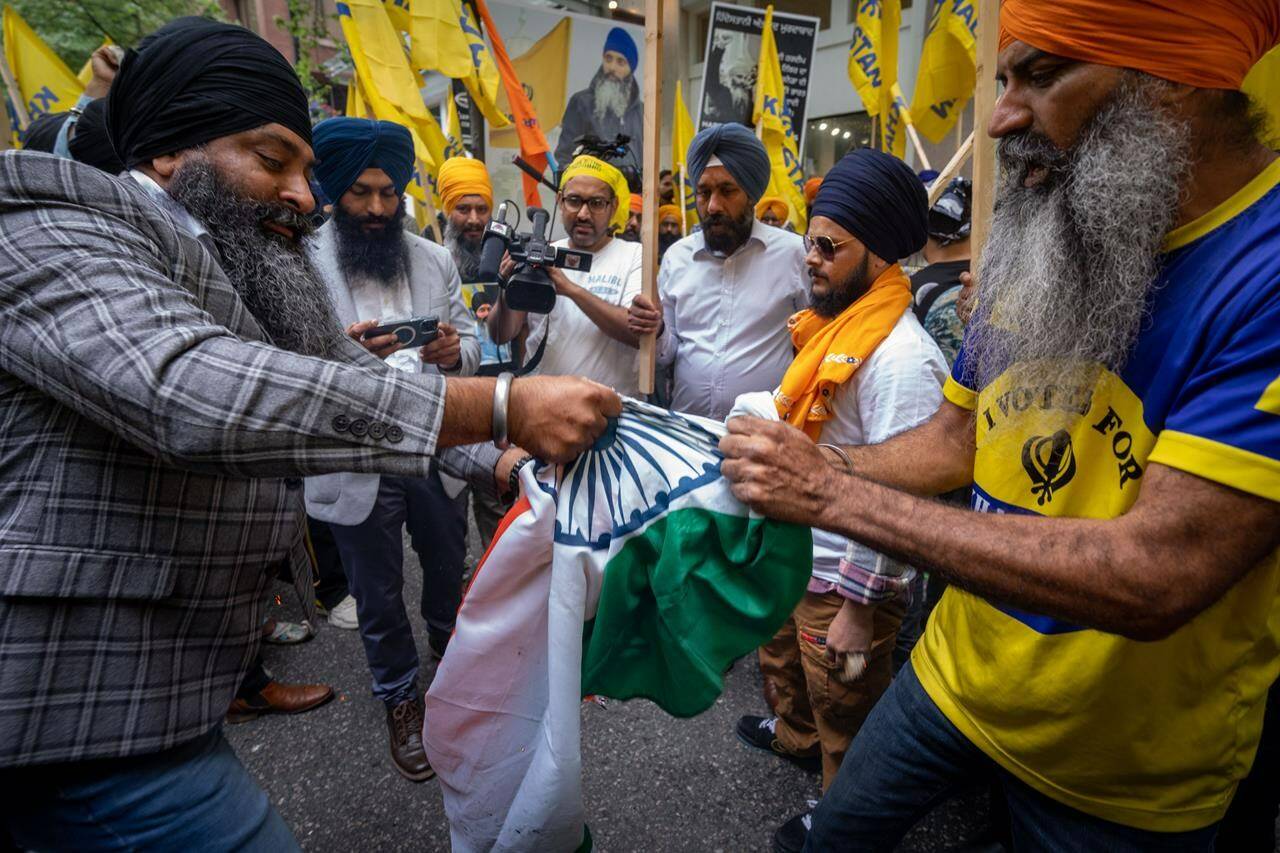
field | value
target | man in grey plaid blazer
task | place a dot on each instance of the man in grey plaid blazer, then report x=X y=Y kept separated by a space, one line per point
x=148 y=438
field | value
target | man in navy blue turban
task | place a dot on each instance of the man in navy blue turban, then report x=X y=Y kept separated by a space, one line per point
x=377 y=272
x=346 y=147
x=609 y=105
x=730 y=171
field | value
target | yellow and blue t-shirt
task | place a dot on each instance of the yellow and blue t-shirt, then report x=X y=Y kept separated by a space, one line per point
x=1154 y=735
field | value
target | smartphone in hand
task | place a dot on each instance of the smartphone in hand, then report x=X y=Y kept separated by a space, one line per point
x=412 y=332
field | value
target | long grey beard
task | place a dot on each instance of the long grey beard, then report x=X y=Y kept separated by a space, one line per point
x=612 y=97
x=465 y=257
x=273 y=277
x=1068 y=265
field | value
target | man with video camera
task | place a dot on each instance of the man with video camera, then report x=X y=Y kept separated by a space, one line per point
x=586 y=333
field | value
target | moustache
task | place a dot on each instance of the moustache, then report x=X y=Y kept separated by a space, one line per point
x=299 y=225
x=1021 y=153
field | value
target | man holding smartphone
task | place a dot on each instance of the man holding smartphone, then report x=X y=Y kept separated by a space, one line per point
x=377 y=274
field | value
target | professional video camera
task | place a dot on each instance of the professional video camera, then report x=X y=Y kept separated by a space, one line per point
x=529 y=288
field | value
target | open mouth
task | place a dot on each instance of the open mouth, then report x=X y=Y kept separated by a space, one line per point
x=1034 y=175
x=281 y=229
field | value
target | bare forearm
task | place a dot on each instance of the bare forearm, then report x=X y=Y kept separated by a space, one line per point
x=610 y=319
x=468 y=412
x=933 y=458
x=505 y=322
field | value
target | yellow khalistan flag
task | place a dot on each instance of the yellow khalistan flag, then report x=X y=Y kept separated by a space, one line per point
x=773 y=124
x=681 y=136
x=388 y=84
x=444 y=37
x=45 y=82
x=945 y=81
x=453 y=131
x=893 y=129
x=873 y=53
x=543 y=69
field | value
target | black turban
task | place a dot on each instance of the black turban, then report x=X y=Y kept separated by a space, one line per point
x=90 y=144
x=878 y=199
x=738 y=150
x=194 y=80
x=42 y=133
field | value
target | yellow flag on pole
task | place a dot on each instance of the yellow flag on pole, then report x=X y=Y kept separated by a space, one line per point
x=45 y=83
x=356 y=106
x=773 y=123
x=398 y=12
x=453 y=131
x=945 y=81
x=681 y=136
x=444 y=37
x=543 y=72
x=388 y=84
x=893 y=134
x=873 y=53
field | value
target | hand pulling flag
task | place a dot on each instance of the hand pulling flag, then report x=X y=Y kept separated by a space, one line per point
x=945 y=81
x=771 y=116
x=630 y=572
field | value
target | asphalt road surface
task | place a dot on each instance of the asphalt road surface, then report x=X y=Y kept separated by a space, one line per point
x=651 y=782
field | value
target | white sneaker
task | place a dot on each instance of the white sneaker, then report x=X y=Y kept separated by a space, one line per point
x=343 y=614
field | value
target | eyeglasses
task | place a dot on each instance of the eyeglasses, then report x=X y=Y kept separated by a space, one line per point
x=574 y=203
x=826 y=246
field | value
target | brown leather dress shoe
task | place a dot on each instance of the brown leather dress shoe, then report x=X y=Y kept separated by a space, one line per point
x=278 y=698
x=404 y=725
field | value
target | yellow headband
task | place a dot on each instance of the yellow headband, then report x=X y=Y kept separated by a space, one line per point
x=462 y=176
x=602 y=171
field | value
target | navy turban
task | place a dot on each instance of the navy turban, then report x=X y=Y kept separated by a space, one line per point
x=195 y=80
x=345 y=147
x=878 y=199
x=620 y=41
x=739 y=151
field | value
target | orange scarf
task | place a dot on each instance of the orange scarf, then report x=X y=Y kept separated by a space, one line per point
x=828 y=351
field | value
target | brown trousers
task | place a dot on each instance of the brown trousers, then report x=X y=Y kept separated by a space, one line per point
x=816 y=711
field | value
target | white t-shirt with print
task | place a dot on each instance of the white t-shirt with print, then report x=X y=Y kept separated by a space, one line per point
x=578 y=347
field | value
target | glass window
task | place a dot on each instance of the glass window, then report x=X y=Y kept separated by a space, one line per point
x=828 y=139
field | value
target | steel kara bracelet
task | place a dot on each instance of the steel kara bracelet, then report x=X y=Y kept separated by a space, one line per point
x=501 y=401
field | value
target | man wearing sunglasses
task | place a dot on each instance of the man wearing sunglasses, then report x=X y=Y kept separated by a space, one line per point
x=864 y=371
x=727 y=290
x=586 y=333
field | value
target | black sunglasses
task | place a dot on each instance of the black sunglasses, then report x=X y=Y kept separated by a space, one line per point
x=826 y=246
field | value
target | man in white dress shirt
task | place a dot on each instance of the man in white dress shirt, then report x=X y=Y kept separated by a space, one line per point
x=376 y=271
x=727 y=290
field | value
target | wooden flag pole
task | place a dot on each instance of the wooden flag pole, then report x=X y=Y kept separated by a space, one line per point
x=684 y=211
x=984 y=147
x=915 y=141
x=950 y=171
x=432 y=219
x=652 y=163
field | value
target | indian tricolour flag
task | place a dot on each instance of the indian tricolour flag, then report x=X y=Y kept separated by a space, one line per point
x=631 y=572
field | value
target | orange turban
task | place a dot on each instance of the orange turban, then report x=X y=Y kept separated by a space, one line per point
x=461 y=176
x=1210 y=44
x=637 y=203
x=811 y=189
x=668 y=210
x=780 y=208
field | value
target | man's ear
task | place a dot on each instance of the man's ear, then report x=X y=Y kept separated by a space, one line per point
x=162 y=169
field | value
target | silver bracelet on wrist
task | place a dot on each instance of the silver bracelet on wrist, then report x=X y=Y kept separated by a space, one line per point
x=839 y=451
x=501 y=400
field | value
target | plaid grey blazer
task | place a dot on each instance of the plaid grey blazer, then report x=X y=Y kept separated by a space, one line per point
x=146 y=433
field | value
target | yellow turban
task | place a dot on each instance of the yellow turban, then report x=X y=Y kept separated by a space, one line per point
x=461 y=176
x=668 y=210
x=602 y=171
x=780 y=208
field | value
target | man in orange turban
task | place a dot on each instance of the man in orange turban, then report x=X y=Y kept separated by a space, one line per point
x=669 y=221
x=772 y=210
x=811 y=189
x=467 y=198
x=634 y=216
x=1113 y=629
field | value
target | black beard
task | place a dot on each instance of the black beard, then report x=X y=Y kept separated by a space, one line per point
x=270 y=273
x=841 y=296
x=739 y=231
x=466 y=255
x=381 y=254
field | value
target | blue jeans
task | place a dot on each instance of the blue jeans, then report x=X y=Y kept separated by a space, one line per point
x=908 y=757
x=373 y=555
x=195 y=797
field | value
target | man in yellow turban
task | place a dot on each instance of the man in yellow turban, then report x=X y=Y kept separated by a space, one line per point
x=772 y=210
x=1113 y=628
x=586 y=332
x=467 y=198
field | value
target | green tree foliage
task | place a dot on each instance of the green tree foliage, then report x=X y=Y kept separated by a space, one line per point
x=75 y=28
x=307 y=24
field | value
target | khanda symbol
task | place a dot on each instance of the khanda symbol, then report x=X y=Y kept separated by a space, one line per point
x=1050 y=463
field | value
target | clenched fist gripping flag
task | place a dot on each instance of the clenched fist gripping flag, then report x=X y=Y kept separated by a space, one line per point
x=631 y=572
